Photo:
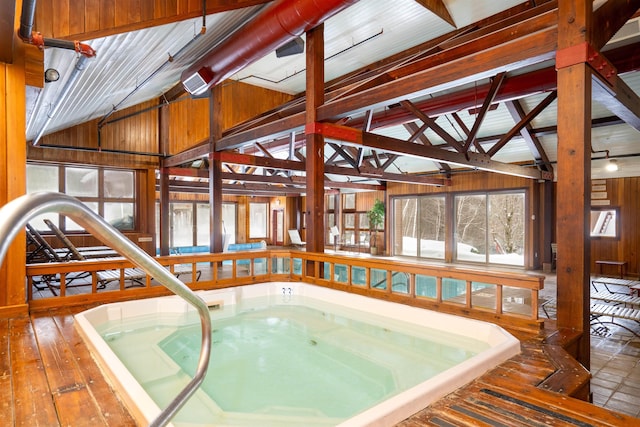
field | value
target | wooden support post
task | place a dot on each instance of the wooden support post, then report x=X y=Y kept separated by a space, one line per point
x=13 y=158
x=164 y=119
x=574 y=172
x=215 y=171
x=315 y=141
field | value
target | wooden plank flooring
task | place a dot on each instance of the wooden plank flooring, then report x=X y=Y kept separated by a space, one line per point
x=48 y=378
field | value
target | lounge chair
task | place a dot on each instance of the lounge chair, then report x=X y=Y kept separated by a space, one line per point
x=38 y=249
x=134 y=275
x=294 y=235
x=80 y=253
x=599 y=311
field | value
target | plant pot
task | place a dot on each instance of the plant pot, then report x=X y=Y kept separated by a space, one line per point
x=374 y=250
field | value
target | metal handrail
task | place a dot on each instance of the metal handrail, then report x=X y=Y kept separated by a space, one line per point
x=16 y=214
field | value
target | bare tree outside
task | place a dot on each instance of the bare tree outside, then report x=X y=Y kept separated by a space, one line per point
x=470 y=226
x=506 y=222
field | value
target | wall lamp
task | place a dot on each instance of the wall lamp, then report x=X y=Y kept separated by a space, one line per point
x=51 y=75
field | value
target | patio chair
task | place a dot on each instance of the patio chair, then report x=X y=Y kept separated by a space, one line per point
x=294 y=235
x=80 y=253
x=41 y=250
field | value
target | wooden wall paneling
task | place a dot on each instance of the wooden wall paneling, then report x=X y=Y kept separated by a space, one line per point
x=236 y=94
x=34 y=66
x=60 y=17
x=107 y=14
x=189 y=124
x=76 y=17
x=127 y=12
x=12 y=166
x=91 y=18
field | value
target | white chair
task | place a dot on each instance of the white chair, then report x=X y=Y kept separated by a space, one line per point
x=294 y=235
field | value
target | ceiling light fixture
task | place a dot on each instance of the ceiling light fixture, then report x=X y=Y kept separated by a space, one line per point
x=51 y=75
x=612 y=166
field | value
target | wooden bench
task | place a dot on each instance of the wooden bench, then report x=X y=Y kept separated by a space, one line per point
x=620 y=265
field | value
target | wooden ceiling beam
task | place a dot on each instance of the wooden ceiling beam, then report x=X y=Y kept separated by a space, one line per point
x=522 y=123
x=618 y=98
x=438 y=8
x=521 y=44
x=379 y=174
x=496 y=82
x=451 y=141
x=532 y=141
x=397 y=146
x=609 y=18
x=412 y=127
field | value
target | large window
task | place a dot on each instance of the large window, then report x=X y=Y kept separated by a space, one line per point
x=258 y=220
x=108 y=192
x=490 y=228
x=189 y=223
x=486 y=228
x=420 y=226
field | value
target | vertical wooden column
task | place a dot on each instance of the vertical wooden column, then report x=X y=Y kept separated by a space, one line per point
x=164 y=118
x=215 y=171
x=165 y=212
x=13 y=158
x=315 y=141
x=574 y=175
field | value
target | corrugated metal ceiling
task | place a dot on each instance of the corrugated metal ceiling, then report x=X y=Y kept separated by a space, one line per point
x=364 y=33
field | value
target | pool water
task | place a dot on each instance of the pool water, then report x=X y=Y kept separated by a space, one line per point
x=289 y=354
x=286 y=360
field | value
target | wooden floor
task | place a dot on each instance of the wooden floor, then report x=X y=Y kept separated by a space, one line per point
x=48 y=378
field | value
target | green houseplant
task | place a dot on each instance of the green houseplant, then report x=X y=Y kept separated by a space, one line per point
x=376 y=219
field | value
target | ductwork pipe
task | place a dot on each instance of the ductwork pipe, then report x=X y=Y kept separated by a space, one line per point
x=77 y=70
x=280 y=22
x=27 y=34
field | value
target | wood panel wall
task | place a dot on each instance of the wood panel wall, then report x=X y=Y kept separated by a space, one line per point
x=188 y=124
x=243 y=101
x=82 y=145
x=189 y=119
x=622 y=193
x=88 y=19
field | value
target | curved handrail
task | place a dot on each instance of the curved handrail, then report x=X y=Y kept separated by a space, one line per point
x=13 y=219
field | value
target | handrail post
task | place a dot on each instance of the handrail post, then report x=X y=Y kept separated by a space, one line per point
x=15 y=215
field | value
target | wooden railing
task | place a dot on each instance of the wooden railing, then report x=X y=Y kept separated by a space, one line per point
x=503 y=297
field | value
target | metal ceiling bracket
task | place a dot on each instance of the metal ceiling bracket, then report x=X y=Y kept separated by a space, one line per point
x=586 y=53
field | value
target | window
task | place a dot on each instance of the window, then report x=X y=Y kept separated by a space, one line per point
x=258 y=220
x=420 y=226
x=181 y=225
x=203 y=224
x=108 y=192
x=470 y=228
x=229 y=222
x=43 y=178
x=490 y=228
x=486 y=228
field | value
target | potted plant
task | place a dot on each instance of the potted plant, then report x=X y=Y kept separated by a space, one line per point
x=376 y=219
